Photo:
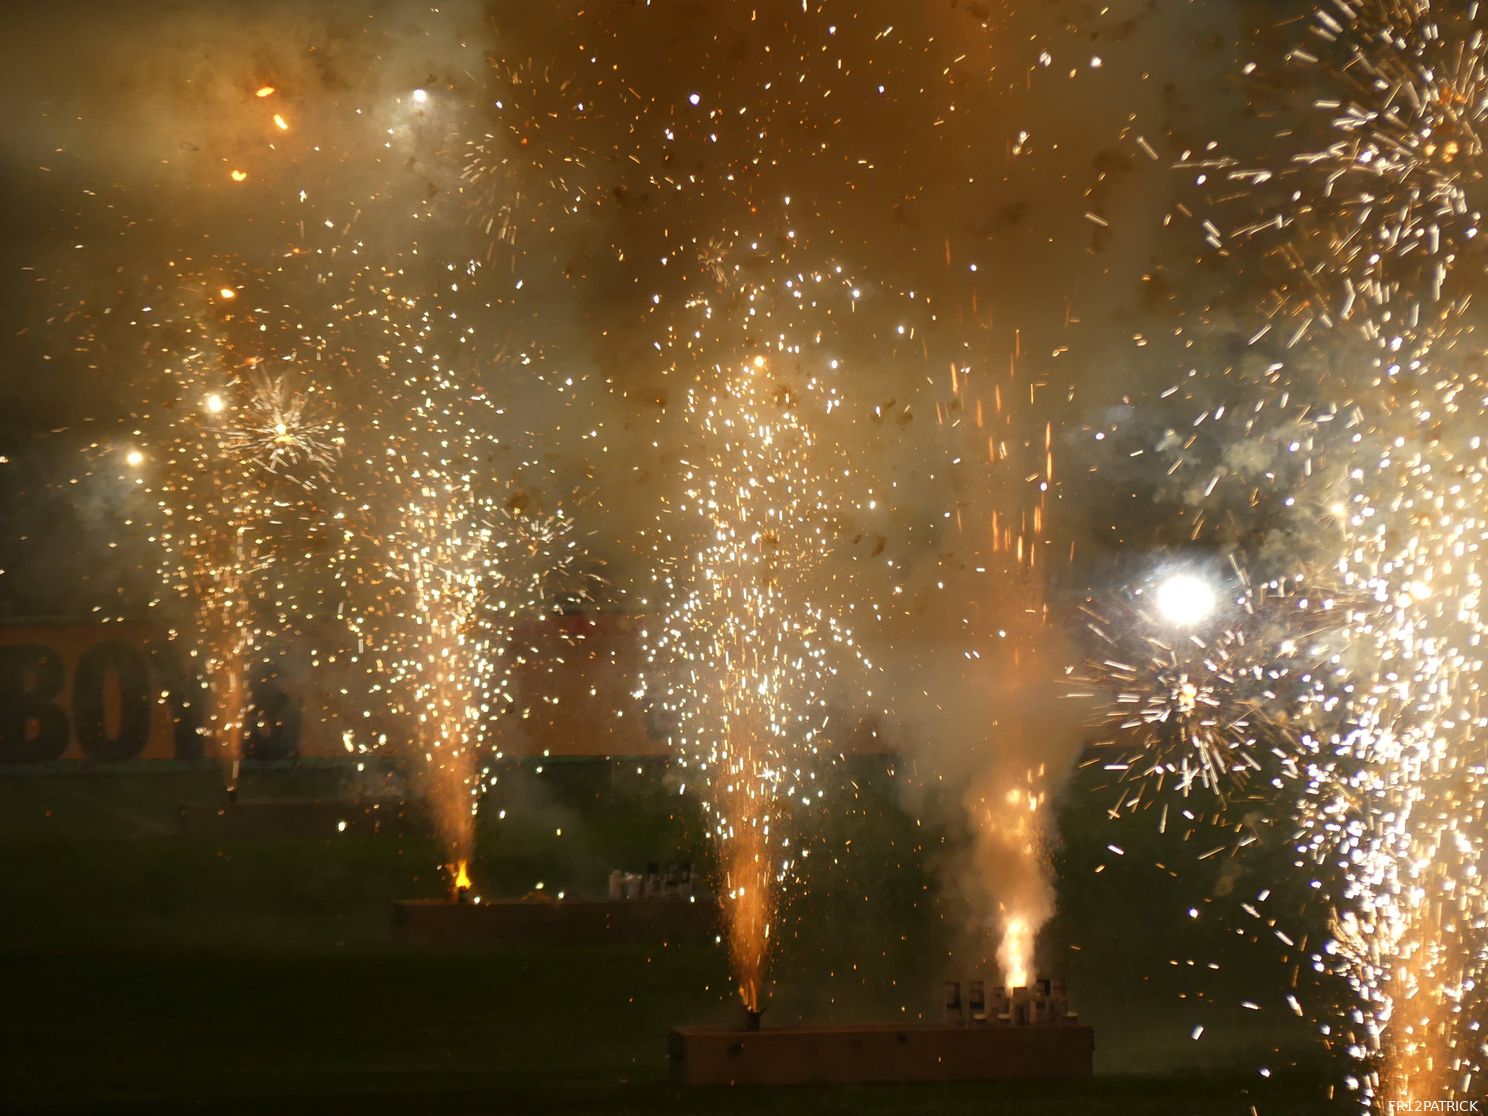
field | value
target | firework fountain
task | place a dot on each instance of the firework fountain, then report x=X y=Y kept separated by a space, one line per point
x=989 y=724
x=1343 y=693
x=452 y=564
x=1393 y=795
x=1009 y=806
x=236 y=459
x=1343 y=685
x=747 y=647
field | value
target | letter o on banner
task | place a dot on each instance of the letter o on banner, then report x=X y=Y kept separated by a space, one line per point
x=111 y=702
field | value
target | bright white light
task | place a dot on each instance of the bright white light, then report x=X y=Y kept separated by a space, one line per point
x=214 y=403
x=134 y=459
x=420 y=95
x=1185 y=601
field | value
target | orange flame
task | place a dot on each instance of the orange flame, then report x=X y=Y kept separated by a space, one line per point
x=1012 y=954
x=460 y=871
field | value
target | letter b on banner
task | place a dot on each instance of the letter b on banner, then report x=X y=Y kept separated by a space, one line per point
x=33 y=725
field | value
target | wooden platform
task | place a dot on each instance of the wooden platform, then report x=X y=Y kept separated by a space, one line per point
x=439 y=922
x=878 y=1053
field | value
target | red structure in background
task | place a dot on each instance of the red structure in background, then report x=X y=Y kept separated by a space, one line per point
x=117 y=693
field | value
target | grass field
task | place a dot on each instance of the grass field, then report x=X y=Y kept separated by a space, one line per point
x=149 y=972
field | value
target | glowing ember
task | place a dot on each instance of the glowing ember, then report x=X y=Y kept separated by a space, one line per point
x=1185 y=601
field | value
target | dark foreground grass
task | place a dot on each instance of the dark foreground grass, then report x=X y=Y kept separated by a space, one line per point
x=534 y=1031
x=145 y=972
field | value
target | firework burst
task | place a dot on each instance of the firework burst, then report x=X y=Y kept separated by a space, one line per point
x=1205 y=703
x=1374 y=199
x=529 y=160
x=279 y=430
x=1402 y=197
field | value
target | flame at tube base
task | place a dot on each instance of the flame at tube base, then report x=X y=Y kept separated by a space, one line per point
x=1014 y=952
x=749 y=933
x=749 y=996
x=459 y=872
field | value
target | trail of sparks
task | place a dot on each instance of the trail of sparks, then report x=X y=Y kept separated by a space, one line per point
x=1008 y=805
